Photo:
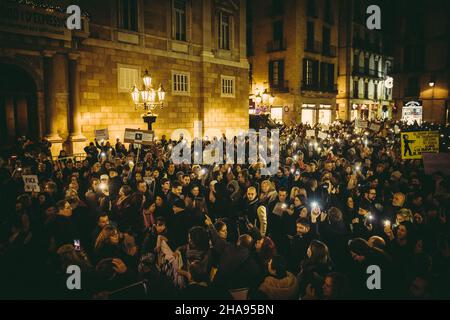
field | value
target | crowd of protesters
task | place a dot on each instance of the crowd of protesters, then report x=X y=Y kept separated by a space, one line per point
x=146 y=228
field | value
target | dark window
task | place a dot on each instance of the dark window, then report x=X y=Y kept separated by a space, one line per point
x=311 y=10
x=249 y=29
x=326 y=39
x=224 y=31
x=277 y=7
x=276 y=73
x=327 y=76
x=413 y=58
x=412 y=89
x=179 y=8
x=278 y=30
x=356 y=61
x=310 y=34
x=366 y=64
x=310 y=72
x=356 y=88
x=366 y=90
x=328 y=14
x=128 y=16
x=357 y=13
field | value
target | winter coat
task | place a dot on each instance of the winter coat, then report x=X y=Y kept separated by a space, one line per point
x=280 y=289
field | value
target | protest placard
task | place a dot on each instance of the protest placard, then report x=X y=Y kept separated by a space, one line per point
x=375 y=127
x=414 y=143
x=310 y=133
x=31 y=183
x=101 y=134
x=138 y=136
x=361 y=124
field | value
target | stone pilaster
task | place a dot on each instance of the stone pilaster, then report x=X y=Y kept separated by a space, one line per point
x=51 y=129
x=76 y=140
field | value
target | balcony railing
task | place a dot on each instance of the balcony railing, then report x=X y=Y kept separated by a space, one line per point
x=307 y=86
x=313 y=46
x=367 y=45
x=363 y=71
x=329 y=51
x=280 y=87
x=276 y=45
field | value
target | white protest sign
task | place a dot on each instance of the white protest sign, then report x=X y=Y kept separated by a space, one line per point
x=322 y=135
x=31 y=183
x=101 y=134
x=375 y=127
x=138 y=136
x=362 y=124
x=310 y=133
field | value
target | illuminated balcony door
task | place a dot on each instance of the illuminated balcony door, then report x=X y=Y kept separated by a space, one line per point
x=276 y=114
x=308 y=116
x=325 y=114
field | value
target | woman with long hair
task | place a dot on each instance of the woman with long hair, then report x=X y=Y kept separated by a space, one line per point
x=268 y=193
x=314 y=268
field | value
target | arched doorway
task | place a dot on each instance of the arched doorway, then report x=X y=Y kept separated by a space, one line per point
x=18 y=104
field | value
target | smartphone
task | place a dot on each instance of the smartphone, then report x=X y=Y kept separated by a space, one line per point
x=76 y=244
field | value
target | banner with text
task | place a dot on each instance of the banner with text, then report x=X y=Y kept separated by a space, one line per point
x=138 y=136
x=413 y=144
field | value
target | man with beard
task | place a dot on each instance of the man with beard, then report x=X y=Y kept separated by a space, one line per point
x=254 y=212
x=176 y=193
x=391 y=209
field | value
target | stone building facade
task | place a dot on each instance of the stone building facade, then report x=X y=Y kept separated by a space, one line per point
x=80 y=81
x=292 y=53
x=422 y=60
x=365 y=63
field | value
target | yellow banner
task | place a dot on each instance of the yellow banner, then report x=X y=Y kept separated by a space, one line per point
x=418 y=142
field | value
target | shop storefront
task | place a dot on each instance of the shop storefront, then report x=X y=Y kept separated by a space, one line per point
x=412 y=111
x=313 y=114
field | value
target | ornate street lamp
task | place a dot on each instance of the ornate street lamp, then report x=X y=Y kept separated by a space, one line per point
x=148 y=98
x=263 y=102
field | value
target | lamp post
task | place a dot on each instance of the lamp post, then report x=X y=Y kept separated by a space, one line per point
x=148 y=99
x=263 y=102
